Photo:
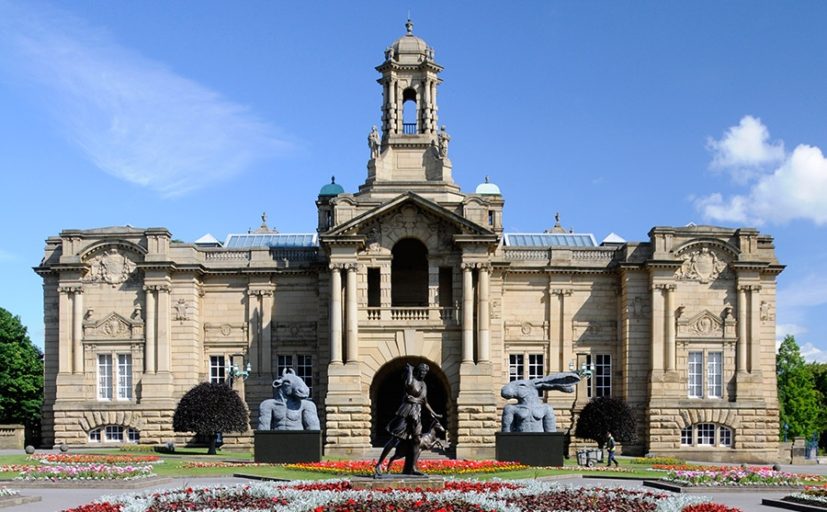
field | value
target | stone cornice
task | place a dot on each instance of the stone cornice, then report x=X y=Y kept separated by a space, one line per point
x=749 y=265
x=664 y=264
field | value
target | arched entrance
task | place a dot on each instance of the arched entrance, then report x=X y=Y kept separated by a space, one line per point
x=386 y=394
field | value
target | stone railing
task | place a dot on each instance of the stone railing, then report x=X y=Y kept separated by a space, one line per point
x=228 y=256
x=12 y=436
x=412 y=314
x=527 y=254
x=280 y=254
x=593 y=254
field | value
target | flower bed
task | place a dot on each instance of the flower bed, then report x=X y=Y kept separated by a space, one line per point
x=5 y=492
x=85 y=472
x=433 y=467
x=223 y=464
x=703 y=467
x=74 y=458
x=458 y=496
x=814 y=496
x=738 y=477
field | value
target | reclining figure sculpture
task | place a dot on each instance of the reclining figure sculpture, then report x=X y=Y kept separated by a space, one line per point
x=529 y=414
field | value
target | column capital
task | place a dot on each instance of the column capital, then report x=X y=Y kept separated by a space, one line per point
x=468 y=266
x=336 y=267
x=744 y=288
x=70 y=288
x=562 y=291
x=260 y=292
x=157 y=288
x=755 y=287
x=351 y=267
x=669 y=287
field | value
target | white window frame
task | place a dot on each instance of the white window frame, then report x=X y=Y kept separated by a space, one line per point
x=301 y=363
x=526 y=363
x=687 y=436
x=705 y=374
x=105 y=376
x=114 y=376
x=124 y=372
x=516 y=367
x=695 y=376
x=600 y=383
x=707 y=436
x=714 y=374
x=114 y=434
x=218 y=372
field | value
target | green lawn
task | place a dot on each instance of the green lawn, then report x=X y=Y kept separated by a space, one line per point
x=172 y=466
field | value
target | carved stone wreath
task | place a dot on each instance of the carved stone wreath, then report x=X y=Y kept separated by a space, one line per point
x=111 y=267
x=702 y=264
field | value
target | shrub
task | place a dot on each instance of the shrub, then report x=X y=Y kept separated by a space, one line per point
x=208 y=408
x=606 y=414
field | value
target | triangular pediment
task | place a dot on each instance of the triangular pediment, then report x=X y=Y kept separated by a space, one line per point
x=401 y=206
x=703 y=324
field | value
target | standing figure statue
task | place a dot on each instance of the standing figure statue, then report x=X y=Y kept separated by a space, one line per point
x=373 y=142
x=289 y=409
x=442 y=142
x=406 y=425
x=529 y=414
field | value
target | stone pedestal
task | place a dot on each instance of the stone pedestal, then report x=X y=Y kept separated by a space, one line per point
x=396 y=481
x=531 y=448
x=12 y=436
x=287 y=446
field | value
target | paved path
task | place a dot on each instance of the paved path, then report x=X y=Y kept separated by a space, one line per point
x=54 y=500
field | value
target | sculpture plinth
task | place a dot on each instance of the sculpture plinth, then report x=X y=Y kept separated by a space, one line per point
x=287 y=446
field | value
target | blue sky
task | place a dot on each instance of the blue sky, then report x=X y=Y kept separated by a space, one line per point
x=198 y=116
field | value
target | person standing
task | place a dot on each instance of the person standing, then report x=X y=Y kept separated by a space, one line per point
x=610 y=447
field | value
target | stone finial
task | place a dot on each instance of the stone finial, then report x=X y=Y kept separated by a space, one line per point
x=264 y=219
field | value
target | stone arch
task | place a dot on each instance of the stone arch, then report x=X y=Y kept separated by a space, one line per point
x=725 y=247
x=409 y=273
x=386 y=391
x=94 y=419
x=725 y=417
x=102 y=245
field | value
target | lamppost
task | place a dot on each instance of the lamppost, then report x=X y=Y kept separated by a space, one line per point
x=786 y=431
x=585 y=370
x=234 y=373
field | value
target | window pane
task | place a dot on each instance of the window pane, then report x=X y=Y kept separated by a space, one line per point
x=133 y=436
x=515 y=367
x=535 y=368
x=603 y=375
x=218 y=369
x=283 y=363
x=725 y=436
x=589 y=381
x=304 y=370
x=105 y=376
x=114 y=433
x=686 y=436
x=95 y=436
x=124 y=377
x=695 y=371
x=714 y=374
x=706 y=434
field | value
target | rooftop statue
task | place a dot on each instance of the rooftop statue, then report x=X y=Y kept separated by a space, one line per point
x=290 y=408
x=406 y=426
x=529 y=414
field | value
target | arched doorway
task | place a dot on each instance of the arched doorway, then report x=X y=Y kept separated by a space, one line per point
x=409 y=274
x=386 y=394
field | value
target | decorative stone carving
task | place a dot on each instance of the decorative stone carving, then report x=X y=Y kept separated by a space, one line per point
x=294 y=332
x=110 y=267
x=596 y=330
x=226 y=333
x=442 y=142
x=638 y=309
x=703 y=325
x=373 y=142
x=767 y=312
x=529 y=414
x=702 y=264
x=113 y=327
x=525 y=330
x=184 y=309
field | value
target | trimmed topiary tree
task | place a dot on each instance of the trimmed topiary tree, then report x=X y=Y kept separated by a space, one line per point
x=606 y=414
x=209 y=408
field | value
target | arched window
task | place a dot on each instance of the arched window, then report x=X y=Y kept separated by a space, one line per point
x=409 y=274
x=114 y=434
x=706 y=434
x=409 y=112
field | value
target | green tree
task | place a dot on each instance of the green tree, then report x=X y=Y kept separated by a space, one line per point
x=798 y=398
x=603 y=415
x=819 y=371
x=208 y=408
x=21 y=375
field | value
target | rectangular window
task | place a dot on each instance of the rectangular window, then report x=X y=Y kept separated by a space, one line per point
x=515 y=367
x=695 y=384
x=725 y=436
x=133 y=436
x=446 y=287
x=589 y=380
x=374 y=294
x=714 y=375
x=124 y=377
x=536 y=368
x=304 y=370
x=603 y=375
x=686 y=436
x=490 y=217
x=114 y=433
x=706 y=434
x=283 y=363
x=105 y=376
x=218 y=369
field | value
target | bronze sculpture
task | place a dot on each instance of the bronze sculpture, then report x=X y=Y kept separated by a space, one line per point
x=406 y=425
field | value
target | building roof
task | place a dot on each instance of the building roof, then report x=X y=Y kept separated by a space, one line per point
x=487 y=188
x=332 y=188
x=613 y=238
x=549 y=240
x=257 y=240
x=207 y=239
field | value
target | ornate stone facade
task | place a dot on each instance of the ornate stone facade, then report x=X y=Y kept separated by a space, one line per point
x=409 y=268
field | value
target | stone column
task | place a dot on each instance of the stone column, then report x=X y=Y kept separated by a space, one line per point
x=484 y=339
x=149 y=329
x=254 y=327
x=266 y=363
x=163 y=329
x=754 y=337
x=741 y=348
x=467 y=313
x=658 y=317
x=352 y=316
x=77 y=329
x=335 y=314
x=669 y=333
x=65 y=319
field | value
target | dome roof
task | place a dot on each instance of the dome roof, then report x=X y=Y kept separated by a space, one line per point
x=488 y=188
x=410 y=49
x=332 y=188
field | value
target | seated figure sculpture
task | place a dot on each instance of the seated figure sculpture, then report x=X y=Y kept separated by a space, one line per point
x=529 y=414
x=290 y=408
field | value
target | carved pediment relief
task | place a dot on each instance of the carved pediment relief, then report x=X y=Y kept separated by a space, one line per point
x=111 y=265
x=593 y=331
x=113 y=327
x=294 y=332
x=525 y=330
x=408 y=222
x=703 y=263
x=705 y=325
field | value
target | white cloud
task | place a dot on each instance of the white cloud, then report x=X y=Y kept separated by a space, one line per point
x=782 y=330
x=745 y=147
x=813 y=354
x=133 y=117
x=796 y=189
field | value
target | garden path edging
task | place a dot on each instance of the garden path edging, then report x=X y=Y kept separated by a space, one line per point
x=791 y=505
x=682 y=489
x=87 y=484
x=13 y=501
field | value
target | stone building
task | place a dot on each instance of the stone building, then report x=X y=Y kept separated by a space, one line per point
x=406 y=269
